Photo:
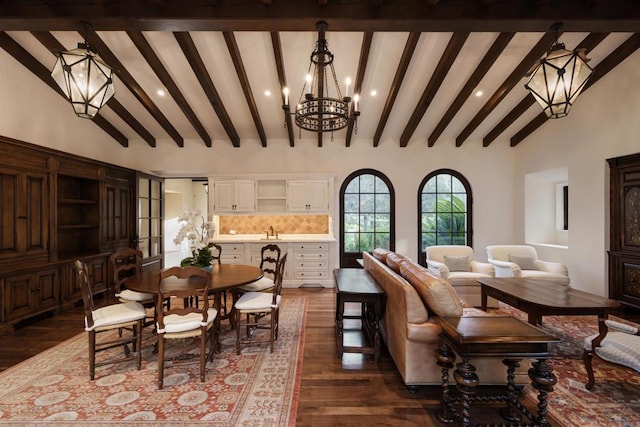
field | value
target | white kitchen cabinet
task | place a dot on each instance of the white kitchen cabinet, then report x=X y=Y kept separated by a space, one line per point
x=308 y=195
x=233 y=253
x=311 y=262
x=235 y=195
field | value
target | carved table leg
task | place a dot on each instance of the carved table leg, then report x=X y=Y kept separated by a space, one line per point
x=446 y=357
x=466 y=381
x=510 y=413
x=543 y=380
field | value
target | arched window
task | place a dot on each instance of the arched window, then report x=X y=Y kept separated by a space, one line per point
x=444 y=215
x=367 y=215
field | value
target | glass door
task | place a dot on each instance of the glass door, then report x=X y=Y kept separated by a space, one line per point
x=150 y=195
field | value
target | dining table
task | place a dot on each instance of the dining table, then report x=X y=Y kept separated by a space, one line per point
x=224 y=277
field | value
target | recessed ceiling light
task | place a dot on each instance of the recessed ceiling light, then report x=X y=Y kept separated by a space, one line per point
x=479 y=93
x=374 y=92
x=267 y=92
x=161 y=92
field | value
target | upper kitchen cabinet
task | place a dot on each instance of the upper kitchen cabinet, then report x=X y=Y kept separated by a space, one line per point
x=308 y=195
x=234 y=196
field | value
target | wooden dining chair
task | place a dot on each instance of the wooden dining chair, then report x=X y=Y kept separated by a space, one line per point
x=256 y=306
x=270 y=257
x=117 y=316
x=187 y=321
x=125 y=263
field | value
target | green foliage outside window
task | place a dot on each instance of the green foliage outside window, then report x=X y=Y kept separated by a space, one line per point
x=444 y=212
x=367 y=214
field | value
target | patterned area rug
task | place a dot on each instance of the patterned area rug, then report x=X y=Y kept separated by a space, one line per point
x=257 y=388
x=615 y=398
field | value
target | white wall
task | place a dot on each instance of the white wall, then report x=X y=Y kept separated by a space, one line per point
x=602 y=124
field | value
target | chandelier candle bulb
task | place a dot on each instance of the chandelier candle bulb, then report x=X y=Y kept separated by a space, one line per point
x=286 y=95
x=347 y=82
x=356 y=98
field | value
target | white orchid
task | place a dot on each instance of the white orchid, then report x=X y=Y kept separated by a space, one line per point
x=198 y=230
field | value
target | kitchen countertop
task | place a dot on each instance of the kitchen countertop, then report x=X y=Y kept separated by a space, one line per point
x=261 y=238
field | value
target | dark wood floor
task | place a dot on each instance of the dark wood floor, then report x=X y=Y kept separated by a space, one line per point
x=353 y=392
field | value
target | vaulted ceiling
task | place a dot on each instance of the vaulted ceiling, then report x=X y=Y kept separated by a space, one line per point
x=428 y=72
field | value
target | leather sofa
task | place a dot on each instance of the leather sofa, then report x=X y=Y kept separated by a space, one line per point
x=408 y=327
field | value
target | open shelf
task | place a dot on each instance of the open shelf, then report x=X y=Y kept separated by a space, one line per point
x=78 y=215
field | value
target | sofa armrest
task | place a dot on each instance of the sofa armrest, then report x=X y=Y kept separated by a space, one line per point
x=482 y=267
x=428 y=332
x=438 y=269
x=552 y=267
x=505 y=268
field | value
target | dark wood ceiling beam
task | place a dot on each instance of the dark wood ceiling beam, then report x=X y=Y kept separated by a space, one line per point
x=101 y=48
x=55 y=47
x=446 y=61
x=159 y=69
x=621 y=53
x=481 y=70
x=405 y=60
x=234 y=51
x=40 y=71
x=514 y=78
x=588 y=43
x=282 y=77
x=301 y=15
x=200 y=70
x=357 y=86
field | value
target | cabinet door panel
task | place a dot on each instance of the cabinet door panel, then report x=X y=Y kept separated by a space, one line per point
x=245 y=196
x=9 y=213
x=47 y=289
x=318 y=196
x=224 y=196
x=19 y=299
x=297 y=196
x=37 y=213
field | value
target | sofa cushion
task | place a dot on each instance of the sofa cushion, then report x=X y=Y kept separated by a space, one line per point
x=381 y=254
x=457 y=263
x=394 y=260
x=436 y=293
x=524 y=262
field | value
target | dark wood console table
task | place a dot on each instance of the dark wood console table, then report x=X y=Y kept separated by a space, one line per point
x=492 y=336
x=356 y=285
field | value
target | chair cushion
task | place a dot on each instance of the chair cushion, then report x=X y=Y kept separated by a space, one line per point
x=457 y=263
x=618 y=347
x=175 y=323
x=524 y=262
x=259 y=285
x=436 y=293
x=130 y=295
x=256 y=301
x=116 y=314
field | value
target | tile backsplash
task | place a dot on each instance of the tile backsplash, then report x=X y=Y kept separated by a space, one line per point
x=284 y=224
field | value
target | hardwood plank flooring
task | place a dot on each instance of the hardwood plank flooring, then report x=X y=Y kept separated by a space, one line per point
x=353 y=392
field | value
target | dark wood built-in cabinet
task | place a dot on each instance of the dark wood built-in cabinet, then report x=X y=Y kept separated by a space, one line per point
x=55 y=208
x=624 y=254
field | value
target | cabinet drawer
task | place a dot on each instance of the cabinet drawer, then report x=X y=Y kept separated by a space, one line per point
x=231 y=248
x=311 y=247
x=232 y=259
x=312 y=274
x=311 y=263
x=311 y=256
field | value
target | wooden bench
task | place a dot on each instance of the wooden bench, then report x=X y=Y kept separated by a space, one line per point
x=356 y=285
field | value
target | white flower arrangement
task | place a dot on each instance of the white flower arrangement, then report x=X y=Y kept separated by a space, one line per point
x=198 y=230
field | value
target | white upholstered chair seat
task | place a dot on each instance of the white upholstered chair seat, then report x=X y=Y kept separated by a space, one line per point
x=522 y=261
x=128 y=295
x=456 y=264
x=259 y=285
x=192 y=322
x=618 y=343
x=256 y=301
x=116 y=314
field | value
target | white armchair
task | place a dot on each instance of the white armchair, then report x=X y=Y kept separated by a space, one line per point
x=522 y=261
x=456 y=264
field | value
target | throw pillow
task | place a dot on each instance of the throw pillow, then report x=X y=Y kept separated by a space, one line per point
x=457 y=263
x=437 y=294
x=524 y=262
x=381 y=254
x=394 y=260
